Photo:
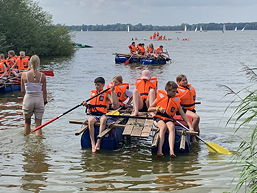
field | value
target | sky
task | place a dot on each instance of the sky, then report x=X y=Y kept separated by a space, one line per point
x=154 y=12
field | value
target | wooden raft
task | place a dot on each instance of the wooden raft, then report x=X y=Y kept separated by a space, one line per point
x=138 y=127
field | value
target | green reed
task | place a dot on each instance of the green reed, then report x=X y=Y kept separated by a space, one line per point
x=245 y=116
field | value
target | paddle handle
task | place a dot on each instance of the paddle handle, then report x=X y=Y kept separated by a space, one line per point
x=52 y=120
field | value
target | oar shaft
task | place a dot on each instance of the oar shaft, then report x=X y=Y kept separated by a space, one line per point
x=50 y=121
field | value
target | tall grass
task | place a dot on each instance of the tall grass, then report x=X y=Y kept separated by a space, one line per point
x=245 y=116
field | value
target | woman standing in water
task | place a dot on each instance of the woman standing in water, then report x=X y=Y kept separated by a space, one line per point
x=33 y=88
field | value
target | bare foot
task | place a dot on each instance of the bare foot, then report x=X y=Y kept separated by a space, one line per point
x=134 y=114
x=172 y=155
x=159 y=154
x=97 y=146
x=93 y=149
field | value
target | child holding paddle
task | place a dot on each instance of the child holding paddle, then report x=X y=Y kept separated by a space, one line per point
x=97 y=108
x=166 y=105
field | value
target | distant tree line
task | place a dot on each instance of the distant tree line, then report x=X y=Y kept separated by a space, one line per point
x=141 y=27
x=25 y=26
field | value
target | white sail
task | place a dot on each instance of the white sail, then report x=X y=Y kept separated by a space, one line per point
x=196 y=29
x=243 y=29
x=224 y=28
x=235 y=28
x=201 y=29
x=185 y=29
x=128 y=28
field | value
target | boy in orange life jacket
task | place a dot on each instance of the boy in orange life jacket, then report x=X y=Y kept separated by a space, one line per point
x=167 y=103
x=132 y=48
x=187 y=95
x=97 y=107
x=122 y=91
x=144 y=93
x=22 y=61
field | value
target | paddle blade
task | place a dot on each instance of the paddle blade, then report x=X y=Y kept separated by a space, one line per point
x=116 y=112
x=47 y=72
x=127 y=61
x=215 y=148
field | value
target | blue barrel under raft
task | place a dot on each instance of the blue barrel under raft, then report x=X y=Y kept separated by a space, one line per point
x=135 y=60
x=111 y=141
x=166 y=149
x=6 y=88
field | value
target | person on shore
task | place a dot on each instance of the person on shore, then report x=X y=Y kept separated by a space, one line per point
x=33 y=88
x=122 y=91
x=187 y=95
x=144 y=93
x=167 y=104
x=97 y=108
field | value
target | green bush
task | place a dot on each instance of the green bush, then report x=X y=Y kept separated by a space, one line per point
x=25 y=26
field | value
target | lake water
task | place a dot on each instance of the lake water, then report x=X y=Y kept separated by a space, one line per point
x=56 y=162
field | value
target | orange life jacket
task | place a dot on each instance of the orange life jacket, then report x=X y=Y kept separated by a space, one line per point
x=144 y=86
x=22 y=63
x=10 y=61
x=149 y=50
x=98 y=104
x=140 y=50
x=171 y=105
x=2 y=68
x=159 y=50
x=187 y=96
x=120 y=91
x=132 y=48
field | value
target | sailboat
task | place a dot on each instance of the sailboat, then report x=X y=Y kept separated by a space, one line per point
x=128 y=28
x=196 y=29
x=235 y=28
x=243 y=29
x=224 y=28
x=201 y=29
x=185 y=29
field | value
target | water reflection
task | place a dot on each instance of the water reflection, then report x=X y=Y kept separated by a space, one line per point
x=135 y=169
x=35 y=164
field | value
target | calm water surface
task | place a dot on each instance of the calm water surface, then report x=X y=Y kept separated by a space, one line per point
x=56 y=162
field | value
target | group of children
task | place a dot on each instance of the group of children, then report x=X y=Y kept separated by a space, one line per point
x=12 y=65
x=177 y=98
x=140 y=49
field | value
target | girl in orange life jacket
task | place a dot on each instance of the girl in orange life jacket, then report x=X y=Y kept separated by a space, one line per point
x=122 y=91
x=132 y=48
x=144 y=93
x=97 y=107
x=167 y=103
x=187 y=95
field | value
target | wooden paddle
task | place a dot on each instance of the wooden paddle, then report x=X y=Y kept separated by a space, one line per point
x=52 y=120
x=212 y=147
x=128 y=60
